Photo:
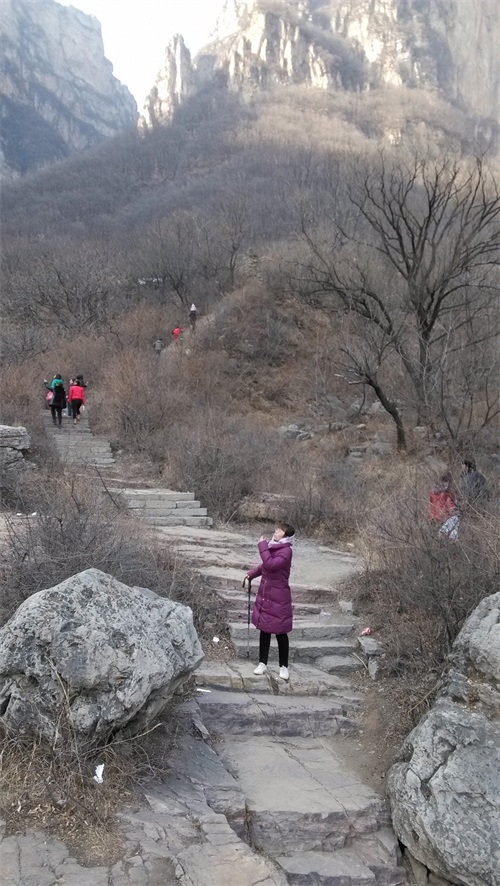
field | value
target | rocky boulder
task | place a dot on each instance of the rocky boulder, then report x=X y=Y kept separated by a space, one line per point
x=94 y=655
x=14 y=442
x=444 y=795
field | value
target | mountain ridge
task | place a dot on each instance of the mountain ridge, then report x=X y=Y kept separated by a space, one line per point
x=449 y=49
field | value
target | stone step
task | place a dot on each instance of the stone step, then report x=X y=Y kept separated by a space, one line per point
x=238 y=675
x=159 y=522
x=303 y=629
x=222 y=578
x=239 y=615
x=301 y=794
x=138 y=496
x=369 y=861
x=242 y=713
x=236 y=600
x=162 y=505
x=157 y=515
x=307 y=652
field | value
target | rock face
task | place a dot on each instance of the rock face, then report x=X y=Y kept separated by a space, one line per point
x=14 y=442
x=449 y=47
x=57 y=89
x=93 y=654
x=444 y=797
x=173 y=85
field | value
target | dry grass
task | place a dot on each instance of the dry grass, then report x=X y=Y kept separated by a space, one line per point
x=53 y=788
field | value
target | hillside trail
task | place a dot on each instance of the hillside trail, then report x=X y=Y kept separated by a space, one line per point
x=265 y=783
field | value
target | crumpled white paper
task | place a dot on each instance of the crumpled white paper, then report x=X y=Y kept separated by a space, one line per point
x=98 y=773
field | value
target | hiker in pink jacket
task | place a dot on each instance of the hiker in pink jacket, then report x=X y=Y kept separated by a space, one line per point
x=272 y=612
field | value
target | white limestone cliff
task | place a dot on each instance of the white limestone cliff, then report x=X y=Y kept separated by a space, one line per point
x=173 y=83
x=55 y=83
x=450 y=48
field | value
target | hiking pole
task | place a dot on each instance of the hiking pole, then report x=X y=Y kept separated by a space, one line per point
x=249 y=586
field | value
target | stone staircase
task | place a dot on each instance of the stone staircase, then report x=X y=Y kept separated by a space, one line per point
x=288 y=745
x=164 y=507
x=285 y=746
x=76 y=445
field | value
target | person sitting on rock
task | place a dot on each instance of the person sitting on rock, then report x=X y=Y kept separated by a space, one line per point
x=443 y=507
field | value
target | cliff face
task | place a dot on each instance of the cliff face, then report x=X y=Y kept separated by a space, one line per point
x=57 y=90
x=447 y=46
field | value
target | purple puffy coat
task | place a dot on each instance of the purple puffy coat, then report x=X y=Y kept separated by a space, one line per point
x=272 y=611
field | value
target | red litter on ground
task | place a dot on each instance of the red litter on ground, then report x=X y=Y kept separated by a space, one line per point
x=366 y=632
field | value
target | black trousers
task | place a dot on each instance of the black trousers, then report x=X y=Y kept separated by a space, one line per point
x=76 y=406
x=59 y=410
x=283 y=647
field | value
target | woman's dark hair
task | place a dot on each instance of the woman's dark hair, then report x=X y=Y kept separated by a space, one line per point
x=58 y=375
x=287 y=529
x=469 y=463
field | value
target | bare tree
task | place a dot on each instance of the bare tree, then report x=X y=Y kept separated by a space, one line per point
x=62 y=285
x=415 y=258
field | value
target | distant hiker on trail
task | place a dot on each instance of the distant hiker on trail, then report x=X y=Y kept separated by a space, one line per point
x=158 y=346
x=474 y=486
x=58 y=401
x=272 y=612
x=192 y=316
x=443 y=507
x=177 y=333
x=76 y=399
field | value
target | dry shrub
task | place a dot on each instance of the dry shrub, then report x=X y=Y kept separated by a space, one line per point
x=223 y=459
x=419 y=589
x=79 y=526
x=250 y=327
x=51 y=786
x=326 y=494
x=22 y=395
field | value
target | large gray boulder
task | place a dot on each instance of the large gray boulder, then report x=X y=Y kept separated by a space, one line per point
x=445 y=796
x=93 y=655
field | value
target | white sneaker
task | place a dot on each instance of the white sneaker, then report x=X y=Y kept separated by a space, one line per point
x=260 y=669
x=284 y=673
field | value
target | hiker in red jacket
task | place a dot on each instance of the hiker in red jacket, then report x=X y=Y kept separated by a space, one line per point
x=272 y=612
x=76 y=396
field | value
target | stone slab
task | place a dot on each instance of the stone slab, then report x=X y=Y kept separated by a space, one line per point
x=162 y=494
x=339 y=664
x=238 y=676
x=304 y=629
x=301 y=795
x=307 y=651
x=343 y=867
x=247 y=714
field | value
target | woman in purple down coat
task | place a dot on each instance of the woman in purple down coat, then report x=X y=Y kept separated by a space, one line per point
x=272 y=612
